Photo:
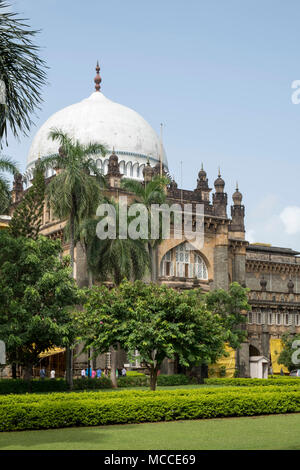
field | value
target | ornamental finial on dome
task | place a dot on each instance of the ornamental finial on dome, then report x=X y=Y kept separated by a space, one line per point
x=97 y=79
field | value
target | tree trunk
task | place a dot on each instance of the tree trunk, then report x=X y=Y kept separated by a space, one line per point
x=69 y=367
x=90 y=278
x=69 y=353
x=72 y=243
x=113 y=364
x=89 y=363
x=14 y=370
x=94 y=360
x=153 y=378
x=152 y=255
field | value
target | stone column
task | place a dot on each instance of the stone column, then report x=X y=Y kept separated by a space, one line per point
x=265 y=341
x=239 y=268
x=242 y=360
x=221 y=267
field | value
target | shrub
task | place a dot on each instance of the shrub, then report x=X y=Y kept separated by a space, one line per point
x=92 y=409
x=92 y=384
x=175 y=379
x=35 y=386
x=253 y=382
x=47 y=385
x=133 y=381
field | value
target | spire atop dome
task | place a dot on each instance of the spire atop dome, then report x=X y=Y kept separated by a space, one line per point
x=97 y=79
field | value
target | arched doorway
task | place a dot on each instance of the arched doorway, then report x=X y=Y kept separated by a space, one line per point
x=253 y=351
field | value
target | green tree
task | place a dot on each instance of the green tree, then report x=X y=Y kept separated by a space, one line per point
x=8 y=166
x=74 y=192
x=22 y=73
x=113 y=258
x=37 y=296
x=156 y=320
x=231 y=306
x=153 y=192
x=286 y=355
x=28 y=216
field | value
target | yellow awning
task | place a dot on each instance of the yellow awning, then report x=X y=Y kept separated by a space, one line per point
x=51 y=352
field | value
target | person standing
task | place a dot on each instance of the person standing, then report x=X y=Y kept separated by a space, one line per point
x=83 y=373
x=42 y=373
x=99 y=372
x=52 y=374
x=124 y=372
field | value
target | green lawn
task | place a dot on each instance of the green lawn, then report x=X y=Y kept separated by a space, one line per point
x=263 y=432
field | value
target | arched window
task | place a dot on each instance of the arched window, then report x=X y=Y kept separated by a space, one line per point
x=200 y=267
x=167 y=268
x=135 y=170
x=105 y=167
x=122 y=167
x=129 y=171
x=183 y=262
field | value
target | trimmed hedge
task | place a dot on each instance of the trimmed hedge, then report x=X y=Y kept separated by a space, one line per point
x=253 y=382
x=59 y=385
x=90 y=409
x=47 y=385
x=162 y=380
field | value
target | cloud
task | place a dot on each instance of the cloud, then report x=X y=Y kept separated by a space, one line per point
x=290 y=216
x=250 y=236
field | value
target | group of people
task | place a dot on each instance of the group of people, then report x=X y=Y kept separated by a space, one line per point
x=99 y=373
x=87 y=373
x=43 y=373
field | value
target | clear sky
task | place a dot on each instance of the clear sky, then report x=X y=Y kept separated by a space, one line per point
x=217 y=73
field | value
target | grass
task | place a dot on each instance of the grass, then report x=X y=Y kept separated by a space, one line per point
x=251 y=433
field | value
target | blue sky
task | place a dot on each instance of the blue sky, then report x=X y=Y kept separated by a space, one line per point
x=217 y=73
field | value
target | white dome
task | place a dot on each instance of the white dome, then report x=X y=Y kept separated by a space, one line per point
x=99 y=120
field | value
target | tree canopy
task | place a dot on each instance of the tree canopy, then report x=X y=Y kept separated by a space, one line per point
x=27 y=217
x=37 y=296
x=22 y=73
x=156 y=320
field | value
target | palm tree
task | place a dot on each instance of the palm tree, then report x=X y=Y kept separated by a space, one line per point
x=115 y=258
x=8 y=166
x=74 y=192
x=22 y=73
x=153 y=192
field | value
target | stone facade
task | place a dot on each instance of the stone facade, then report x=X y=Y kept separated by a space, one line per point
x=272 y=274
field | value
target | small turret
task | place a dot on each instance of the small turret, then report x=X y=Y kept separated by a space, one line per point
x=202 y=185
x=113 y=175
x=237 y=214
x=17 y=190
x=219 y=197
x=148 y=172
